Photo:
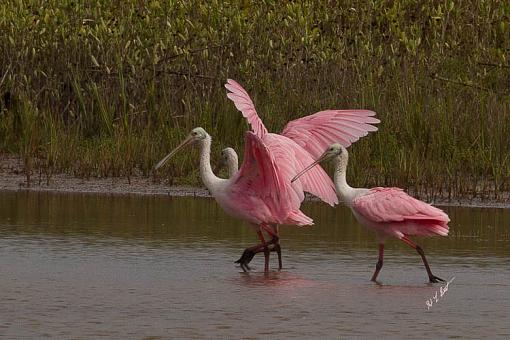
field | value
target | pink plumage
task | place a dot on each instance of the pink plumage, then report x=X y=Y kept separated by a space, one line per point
x=400 y=213
x=291 y=159
x=302 y=138
x=316 y=132
x=389 y=212
x=260 y=192
x=243 y=103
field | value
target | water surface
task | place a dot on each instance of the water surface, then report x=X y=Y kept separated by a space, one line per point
x=86 y=266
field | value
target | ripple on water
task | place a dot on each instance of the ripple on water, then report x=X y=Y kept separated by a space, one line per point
x=157 y=268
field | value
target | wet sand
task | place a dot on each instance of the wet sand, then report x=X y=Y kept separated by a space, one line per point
x=12 y=178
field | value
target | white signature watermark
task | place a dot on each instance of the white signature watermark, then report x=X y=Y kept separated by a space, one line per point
x=442 y=291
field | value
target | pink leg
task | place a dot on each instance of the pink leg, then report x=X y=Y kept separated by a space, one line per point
x=379 y=264
x=432 y=277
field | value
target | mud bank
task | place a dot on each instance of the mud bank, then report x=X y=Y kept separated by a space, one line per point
x=12 y=178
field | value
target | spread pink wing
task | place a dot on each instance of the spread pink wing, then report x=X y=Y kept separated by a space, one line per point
x=259 y=180
x=393 y=205
x=291 y=159
x=317 y=132
x=243 y=103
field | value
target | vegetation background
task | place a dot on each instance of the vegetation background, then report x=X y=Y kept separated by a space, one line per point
x=106 y=88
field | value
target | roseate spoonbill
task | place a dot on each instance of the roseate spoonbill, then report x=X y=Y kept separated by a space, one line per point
x=228 y=159
x=302 y=140
x=389 y=212
x=257 y=193
x=305 y=138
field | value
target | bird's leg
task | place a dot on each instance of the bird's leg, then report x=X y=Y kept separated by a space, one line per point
x=379 y=264
x=277 y=246
x=266 y=250
x=249 y=254
x=432 y=277
x=275 y=239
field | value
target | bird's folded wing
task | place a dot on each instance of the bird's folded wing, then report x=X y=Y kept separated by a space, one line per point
x=243 y=103
x=386 y=205
x=318 y=131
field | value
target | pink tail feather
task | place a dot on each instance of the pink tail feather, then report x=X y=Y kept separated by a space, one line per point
x=296 y=217
x=422 y=227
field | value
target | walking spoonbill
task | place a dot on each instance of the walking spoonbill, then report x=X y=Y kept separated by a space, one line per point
x=389 y=212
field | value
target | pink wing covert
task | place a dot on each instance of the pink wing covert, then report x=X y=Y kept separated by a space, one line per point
x=259 y=175
x=315 y=133
x=292 y=159
x=243 y=103
x=390 y=205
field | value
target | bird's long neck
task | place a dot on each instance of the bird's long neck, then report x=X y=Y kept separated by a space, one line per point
x=344 y=191
x=208 y=177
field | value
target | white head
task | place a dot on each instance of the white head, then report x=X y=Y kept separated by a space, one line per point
x=228 y=159
x=228 y=154
x=198 y=134
x=335 y=150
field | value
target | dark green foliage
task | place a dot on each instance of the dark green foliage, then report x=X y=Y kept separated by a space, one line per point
x=106 y=88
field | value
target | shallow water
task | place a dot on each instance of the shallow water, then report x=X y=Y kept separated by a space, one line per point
x=84 y=266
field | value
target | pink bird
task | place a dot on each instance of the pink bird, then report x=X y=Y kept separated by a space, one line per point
x=305 y=138
x=302 y=140
x=389 y=212
x=257 y=193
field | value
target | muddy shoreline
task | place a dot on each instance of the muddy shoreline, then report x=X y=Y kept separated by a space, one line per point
x=12 y=179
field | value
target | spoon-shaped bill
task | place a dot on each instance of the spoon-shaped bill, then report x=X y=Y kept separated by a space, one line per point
x=162 y=162
x=302 y=172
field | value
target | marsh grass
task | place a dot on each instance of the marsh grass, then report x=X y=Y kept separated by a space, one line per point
x=106 y=88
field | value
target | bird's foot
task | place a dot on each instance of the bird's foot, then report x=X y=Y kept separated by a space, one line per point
x=435 y=279
x=246 y=258
x=245 y=267
x=249 y=254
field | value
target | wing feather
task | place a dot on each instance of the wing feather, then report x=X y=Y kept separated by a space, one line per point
x=291 y=159
x=260 y=176
x=316 y=132
x=243 y=103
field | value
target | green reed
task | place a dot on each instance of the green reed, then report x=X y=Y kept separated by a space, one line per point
x=106 y=88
